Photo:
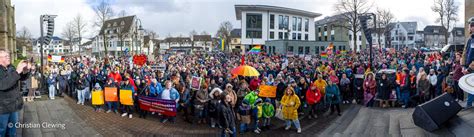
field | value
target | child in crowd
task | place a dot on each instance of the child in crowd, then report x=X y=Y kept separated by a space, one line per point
x=268 y=113
x=100 y=99
x=244 y=116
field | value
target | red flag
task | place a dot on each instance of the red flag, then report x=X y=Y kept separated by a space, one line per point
x=242 y=60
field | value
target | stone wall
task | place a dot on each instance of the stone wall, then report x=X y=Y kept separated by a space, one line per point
x=7 y=27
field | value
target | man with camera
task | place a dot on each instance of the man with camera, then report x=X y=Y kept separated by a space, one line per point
x=10 y=96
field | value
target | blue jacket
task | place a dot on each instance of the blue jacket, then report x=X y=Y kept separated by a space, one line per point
x=154 y=89
x=174 y=94
x=333 y=91
x=469 y=52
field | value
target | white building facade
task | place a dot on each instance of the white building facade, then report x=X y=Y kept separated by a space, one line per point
x=261 y=23
x=56 y=47
x=403 y=34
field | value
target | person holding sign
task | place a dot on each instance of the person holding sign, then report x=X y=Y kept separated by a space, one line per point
x=124 y=97
x=169 y=93
x=111 y=97
x=97 y=98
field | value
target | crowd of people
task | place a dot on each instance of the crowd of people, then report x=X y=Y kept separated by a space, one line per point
x=397 y=79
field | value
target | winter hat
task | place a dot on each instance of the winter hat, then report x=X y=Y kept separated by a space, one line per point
x=97 y=85
x=259 y=100
x=268 y=100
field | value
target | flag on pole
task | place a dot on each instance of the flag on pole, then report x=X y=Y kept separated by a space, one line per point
x=255 y=49
x=324 y=56
x=222 y=44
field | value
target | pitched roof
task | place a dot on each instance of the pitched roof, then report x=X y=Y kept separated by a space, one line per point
x=125 y=23
x=430 y=30
x=235 y=33
x=177 y=39
x=202 y=37
x=456 y=29
x=330 y=19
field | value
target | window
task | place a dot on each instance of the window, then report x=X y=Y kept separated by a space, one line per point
x=299 y=24
x=306 y=50
x=350 y=37
x=435 y=31
x=294 y=23
x=122 y=23
x=459 y=32
x=320 y=39
x=316 y=51
x=325 y=38
x=299 y=36
x=272 y=21
x=305 y=36
x=290 y=48
x=325 y=28
x=306 y=25
x=319 y=29
x=254 y=25
x=360 y=38
x=286 y=35
x=280 y=35
x=300 y=50
x=322 y=48
x=280 y=22
x=272 y=35
x=332 y=38
x=294 y=36
x=410 y=37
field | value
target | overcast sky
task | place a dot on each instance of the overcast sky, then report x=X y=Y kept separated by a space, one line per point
x=179 y=17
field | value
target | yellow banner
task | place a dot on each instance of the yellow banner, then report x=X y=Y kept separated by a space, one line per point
x=97 y=97
x=126 y=97
x=267 y=91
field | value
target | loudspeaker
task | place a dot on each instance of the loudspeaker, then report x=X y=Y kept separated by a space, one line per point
x=432 y=114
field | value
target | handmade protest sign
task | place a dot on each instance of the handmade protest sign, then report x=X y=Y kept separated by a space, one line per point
x=97 y=97
x=111 y=94
x=267 y=91
x=126 y=97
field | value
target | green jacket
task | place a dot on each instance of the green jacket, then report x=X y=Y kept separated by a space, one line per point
x=268 y=110
x=251 y=97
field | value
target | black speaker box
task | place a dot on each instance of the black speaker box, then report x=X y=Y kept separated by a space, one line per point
x=432 y=114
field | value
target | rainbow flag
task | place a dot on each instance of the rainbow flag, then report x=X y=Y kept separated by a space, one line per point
x=324 y=56
x=255 y=49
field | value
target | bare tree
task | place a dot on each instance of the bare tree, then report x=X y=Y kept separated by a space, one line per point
x=191 y=35
x=79 y=25
x=351 y=10
x=447 y=11
x=224 y=33
x=104 y=12
x=122 y=13
x=384 y=18
x=23 y=39
x=69 y=33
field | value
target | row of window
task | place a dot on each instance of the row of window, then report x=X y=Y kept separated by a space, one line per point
x=284 y=35
x=332 y=38
x=55 y=51
x=283 y=23
x=306 y=50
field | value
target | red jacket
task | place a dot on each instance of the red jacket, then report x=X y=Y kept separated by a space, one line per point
x=116 y=76
x=254 y=83
x=313 y=97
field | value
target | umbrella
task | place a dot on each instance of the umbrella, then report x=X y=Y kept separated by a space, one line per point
x=245 y=70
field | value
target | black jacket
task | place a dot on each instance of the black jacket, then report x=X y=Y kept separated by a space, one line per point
x=10 y=95
x=226 y=115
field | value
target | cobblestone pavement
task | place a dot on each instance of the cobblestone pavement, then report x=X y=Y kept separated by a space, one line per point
x=110 y=124
x=50 y=118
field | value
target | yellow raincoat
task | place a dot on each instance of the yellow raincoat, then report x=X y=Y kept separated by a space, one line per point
x=290 y=105
x=321 y=85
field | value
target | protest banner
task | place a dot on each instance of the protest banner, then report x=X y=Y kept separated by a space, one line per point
x=196 y=83
x=165 y=107
x=111 y=94
x=267 y=91
x=97 y=97
x=126 y=97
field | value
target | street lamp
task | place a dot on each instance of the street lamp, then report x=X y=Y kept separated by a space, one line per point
x=44 y=40
x=138 y=30
x=363 y=20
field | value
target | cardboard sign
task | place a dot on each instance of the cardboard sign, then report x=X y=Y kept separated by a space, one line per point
x=267 y=91
x=139 y=60
x=196 y=83
x=97 y=97
x=111 y=94
x=165 y=107
x=126 y=97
